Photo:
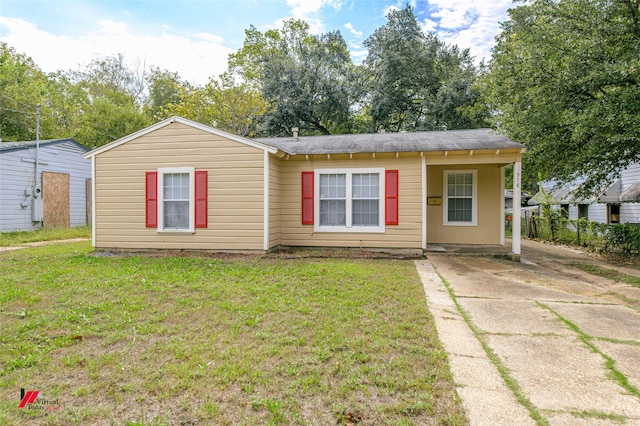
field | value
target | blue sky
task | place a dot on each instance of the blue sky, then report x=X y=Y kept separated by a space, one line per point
x=194 y=37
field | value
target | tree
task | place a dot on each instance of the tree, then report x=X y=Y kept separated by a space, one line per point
x=108 y=98
x=222 y=104
x=416 y=82
x=111 y=77
x=306 y=77
x=565 y=80
x=22 y=86
x=164 y=88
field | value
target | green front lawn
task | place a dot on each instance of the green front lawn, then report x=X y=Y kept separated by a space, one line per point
x=17 y=238
x=218 y=340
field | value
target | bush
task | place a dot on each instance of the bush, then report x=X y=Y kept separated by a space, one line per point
x=623 y=236
x=620 y=237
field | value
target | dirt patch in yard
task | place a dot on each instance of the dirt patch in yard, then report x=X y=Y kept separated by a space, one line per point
x=281 y=253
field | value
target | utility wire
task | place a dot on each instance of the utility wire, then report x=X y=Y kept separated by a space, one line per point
x=15 y=110
x=18 y=102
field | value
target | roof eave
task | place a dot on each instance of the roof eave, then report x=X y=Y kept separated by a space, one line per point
x=511 y=150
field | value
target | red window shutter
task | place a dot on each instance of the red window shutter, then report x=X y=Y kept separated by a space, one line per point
x=307 y=198
x=391 y=197
x=151 y=185
x=201 y=207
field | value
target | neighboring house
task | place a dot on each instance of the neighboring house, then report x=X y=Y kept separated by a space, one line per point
x=51 y=193
x=183 y=185
x=617 y=203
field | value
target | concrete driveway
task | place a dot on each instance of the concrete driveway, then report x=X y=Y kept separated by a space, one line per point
x=537 y=342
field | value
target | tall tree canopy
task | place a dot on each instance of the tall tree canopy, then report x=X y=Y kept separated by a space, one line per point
x=565 y=80
x=110 y=100
x=235 y=108
x=306 y=77
x=416 y=82
x=22 y=86
x=94 y=105
x=164 y=87
x=279 y=79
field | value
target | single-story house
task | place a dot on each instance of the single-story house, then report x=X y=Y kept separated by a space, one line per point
x=179 y=184
x=44 y=183
x=619 y=202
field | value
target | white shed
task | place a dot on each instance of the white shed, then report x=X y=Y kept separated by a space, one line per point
x=44 y=184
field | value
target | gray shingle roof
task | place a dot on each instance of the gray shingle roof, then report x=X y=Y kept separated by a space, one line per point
x=14 y=146
x=449 y=140
x=632 y=193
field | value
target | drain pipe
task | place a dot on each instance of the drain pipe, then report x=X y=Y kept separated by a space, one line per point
x=37 y=206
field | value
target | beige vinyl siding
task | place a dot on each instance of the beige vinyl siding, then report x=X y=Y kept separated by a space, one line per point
x=235 y=191
x=487 y=230
x=274 y=202
x=405 y=235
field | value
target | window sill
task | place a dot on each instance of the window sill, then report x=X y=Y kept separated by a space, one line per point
x=176 y=231
x=466 y=224
x=359 y=230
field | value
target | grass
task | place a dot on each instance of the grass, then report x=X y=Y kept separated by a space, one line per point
x=9 y=239
x=592 y=414
x=608 y=273
x=144 y=340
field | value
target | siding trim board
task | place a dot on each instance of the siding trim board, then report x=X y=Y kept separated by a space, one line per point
x=93 y=201
x=265 y=201
x=423 y=201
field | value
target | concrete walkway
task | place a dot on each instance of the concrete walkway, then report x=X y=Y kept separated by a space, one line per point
x=569 y=348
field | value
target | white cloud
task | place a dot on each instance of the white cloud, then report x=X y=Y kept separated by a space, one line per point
x=300 y=9
x=209 y=37
x=468 y=24
x=429 y=26
x=352 y=30
x=195 y=57
x=454 y=18
x=307 y=10
x=389 y=9
x=357 y=56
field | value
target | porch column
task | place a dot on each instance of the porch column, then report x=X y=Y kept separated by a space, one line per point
x=502 y=206
x=517 y=187
x=424 y=203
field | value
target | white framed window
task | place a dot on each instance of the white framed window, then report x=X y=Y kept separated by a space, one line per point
x=176 y=195
x=461 y=198
x=349 y=200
